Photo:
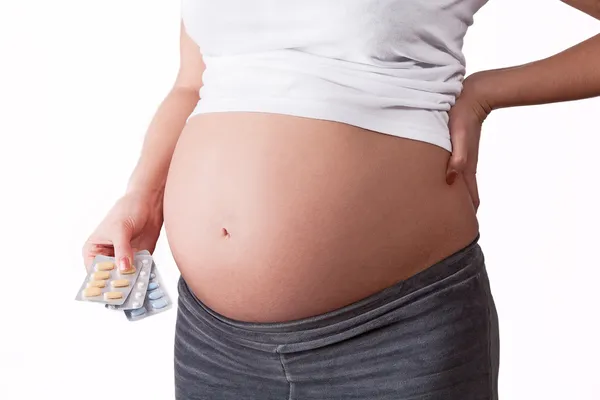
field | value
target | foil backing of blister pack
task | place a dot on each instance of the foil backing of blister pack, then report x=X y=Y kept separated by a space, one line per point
x=157 y=299
x=111 y=277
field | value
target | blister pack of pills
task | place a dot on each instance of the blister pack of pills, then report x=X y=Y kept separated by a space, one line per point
x=157 y=299
x=138 y=293
x=105 y=283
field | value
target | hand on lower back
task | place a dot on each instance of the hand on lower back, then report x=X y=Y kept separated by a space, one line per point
x=466 y=118
x=132 y=224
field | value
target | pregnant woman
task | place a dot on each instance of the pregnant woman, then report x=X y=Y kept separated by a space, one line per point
x=314 y=165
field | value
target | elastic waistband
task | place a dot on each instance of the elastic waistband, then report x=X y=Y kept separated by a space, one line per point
x=457 y=267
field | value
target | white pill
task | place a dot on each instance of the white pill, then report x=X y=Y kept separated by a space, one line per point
x=136 y=305
x=143 y=273
x=138 y=295
x=140 y=285
x=145 y=262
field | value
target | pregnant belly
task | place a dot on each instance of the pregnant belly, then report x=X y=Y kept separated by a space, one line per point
x=275 y=218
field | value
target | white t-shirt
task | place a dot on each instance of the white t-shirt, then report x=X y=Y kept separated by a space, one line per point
x=390 y=66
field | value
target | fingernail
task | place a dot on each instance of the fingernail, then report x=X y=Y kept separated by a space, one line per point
x=124 y=263
x=451 y=177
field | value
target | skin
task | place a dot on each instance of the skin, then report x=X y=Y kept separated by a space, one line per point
x=134 y=222
x=572 y=74
x=415 y=171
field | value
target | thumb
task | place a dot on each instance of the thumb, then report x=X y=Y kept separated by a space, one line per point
x=122 y=245
x=458 y=159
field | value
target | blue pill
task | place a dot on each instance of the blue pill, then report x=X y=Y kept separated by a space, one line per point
x=137 y=312
x=158 y=304
x=153 y=285
x=157 y=294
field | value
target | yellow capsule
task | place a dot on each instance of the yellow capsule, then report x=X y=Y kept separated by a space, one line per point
x=100 y=275
x=119 y=283
x=105 y=266
x=113 y=295
x=92 y=292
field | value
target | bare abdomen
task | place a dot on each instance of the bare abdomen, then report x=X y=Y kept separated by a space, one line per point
x=274 y=218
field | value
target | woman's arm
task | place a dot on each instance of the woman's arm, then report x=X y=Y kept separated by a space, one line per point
x=163 y=132
x=572 y=74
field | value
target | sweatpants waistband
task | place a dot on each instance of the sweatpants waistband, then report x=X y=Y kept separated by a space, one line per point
x=377 y=310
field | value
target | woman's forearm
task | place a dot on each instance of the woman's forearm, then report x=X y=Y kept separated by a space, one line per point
x=150 y=173
x=572 y=74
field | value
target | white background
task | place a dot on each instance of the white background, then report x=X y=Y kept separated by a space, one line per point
x=79 y=82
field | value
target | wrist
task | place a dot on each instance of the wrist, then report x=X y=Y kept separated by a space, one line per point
x=477 y=90
x=145 y=189
x=150 y=200
x=147 y=194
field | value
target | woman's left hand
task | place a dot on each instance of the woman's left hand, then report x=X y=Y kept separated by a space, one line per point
x=466 y=118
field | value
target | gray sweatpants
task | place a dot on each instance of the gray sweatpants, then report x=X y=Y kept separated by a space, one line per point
x=433 y=336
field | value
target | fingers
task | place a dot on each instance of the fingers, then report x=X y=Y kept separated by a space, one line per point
x=122 y=244
x=114 y=241
x=91 y=249
x=463 y=161
x=88 y=255
x=459 y=158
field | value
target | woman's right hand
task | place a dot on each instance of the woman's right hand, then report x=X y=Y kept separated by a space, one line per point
x=131 y=225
